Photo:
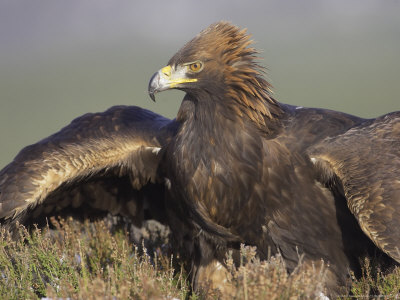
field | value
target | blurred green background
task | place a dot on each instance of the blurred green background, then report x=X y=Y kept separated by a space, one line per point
x=61 y=59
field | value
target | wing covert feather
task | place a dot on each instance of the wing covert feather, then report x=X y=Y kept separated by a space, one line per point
x=366 y=159
x=123 y=141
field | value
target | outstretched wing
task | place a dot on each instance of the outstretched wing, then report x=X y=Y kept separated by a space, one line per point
x=104 y=161
x=366 y=160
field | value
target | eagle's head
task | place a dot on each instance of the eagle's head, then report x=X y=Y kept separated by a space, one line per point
x=219 y=64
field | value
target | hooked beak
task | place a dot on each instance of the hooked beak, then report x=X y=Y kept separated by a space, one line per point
x=167 y=78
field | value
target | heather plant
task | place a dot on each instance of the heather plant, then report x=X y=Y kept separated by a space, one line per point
x=93 y=260
x=84 y=261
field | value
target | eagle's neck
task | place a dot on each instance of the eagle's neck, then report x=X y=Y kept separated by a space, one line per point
x=207 y=126
x=209 y=115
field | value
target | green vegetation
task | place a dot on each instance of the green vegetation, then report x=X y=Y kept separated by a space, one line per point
x=91 y=261
x=377 y=284
x=84 y=261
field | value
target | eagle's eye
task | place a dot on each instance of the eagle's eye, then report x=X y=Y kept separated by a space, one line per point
x=196 y=66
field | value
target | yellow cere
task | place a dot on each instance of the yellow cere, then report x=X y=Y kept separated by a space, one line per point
x=173 y=82
x=166 y=71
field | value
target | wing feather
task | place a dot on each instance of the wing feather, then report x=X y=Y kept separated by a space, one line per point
x=120 y=146
x=366 y=160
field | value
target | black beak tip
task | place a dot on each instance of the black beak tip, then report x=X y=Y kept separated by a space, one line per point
x=152 y=96
x=152 y=86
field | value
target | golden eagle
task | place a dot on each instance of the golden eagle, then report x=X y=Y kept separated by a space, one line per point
x=235 y=166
